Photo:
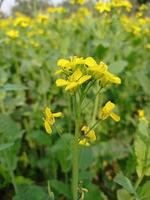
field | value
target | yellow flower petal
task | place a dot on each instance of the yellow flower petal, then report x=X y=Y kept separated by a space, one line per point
x=71 y=86
x=91 y=135
x=58 y=114
x=84 y=142
x=115 y=117
x=85 y=129
x=47 y=127
x=84 y=79
x=76 y=75
x=90 y=62
x=62 y=62
x=48 y=112
x=106 y=110
x=61 y=82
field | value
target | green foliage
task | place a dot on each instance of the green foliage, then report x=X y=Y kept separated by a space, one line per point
x=28 y=156
x=31 y=192
x=122 y=194
x=142 y=149
x=124 y=182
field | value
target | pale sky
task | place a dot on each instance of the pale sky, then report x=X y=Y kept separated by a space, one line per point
x=8 y=4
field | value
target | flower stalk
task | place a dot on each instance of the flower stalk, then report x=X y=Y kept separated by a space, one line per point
x=75 y=152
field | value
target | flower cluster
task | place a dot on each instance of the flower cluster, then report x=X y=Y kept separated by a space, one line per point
x=77 y=71
x=108 y=6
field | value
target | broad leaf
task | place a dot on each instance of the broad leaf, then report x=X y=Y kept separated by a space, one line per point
x=124 y=182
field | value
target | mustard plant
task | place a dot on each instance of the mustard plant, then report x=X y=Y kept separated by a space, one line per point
x=78 y=76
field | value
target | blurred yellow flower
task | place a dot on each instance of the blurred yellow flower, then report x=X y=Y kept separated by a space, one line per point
x=103 y=6
x=13 y=34
x=84 y=142
x=41 y=18
x=107 y=111
x=141 y=113
x=122 y=3
x=81 y=2
x=56 y=9
x=143 y=7
x=49 y=119
x=22 y=21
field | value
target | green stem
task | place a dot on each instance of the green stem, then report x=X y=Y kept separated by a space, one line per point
x=91 y=100
x=75 y=153
x=95 y=109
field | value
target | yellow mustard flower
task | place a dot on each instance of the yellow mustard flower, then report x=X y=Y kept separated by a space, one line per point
x=107 y=111
x=22 y=21
x=101 y=71
x=122 y=3
x=84 y=142
x=103 y=7
x=75 y=80
x=141 y=113
x=49 y=119
x=143 y=7
x=88 y=136
x=83 y=11
x=13 y=34
x=110 y=78
x=56 y=9
x=136 y=29
x=70 y=64
x=41 y=18
x=81 y=2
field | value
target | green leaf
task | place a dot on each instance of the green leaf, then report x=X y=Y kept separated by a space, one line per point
x=142 y=149
x=124 y=182
x=143 y=80
x=60 y=187
x=31 y=192
x=62 y=151
x=94 y=193
x=12 y=87
x=9 y=129
x=144 y=191
x=118 y=66
x=5 y=146
x=20 y=180
x=122 y=194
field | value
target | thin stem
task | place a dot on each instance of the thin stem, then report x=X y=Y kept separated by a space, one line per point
x=97 y=93
x=75 y=152
x=50 y=193
x=95 y=109
x=86 y=90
